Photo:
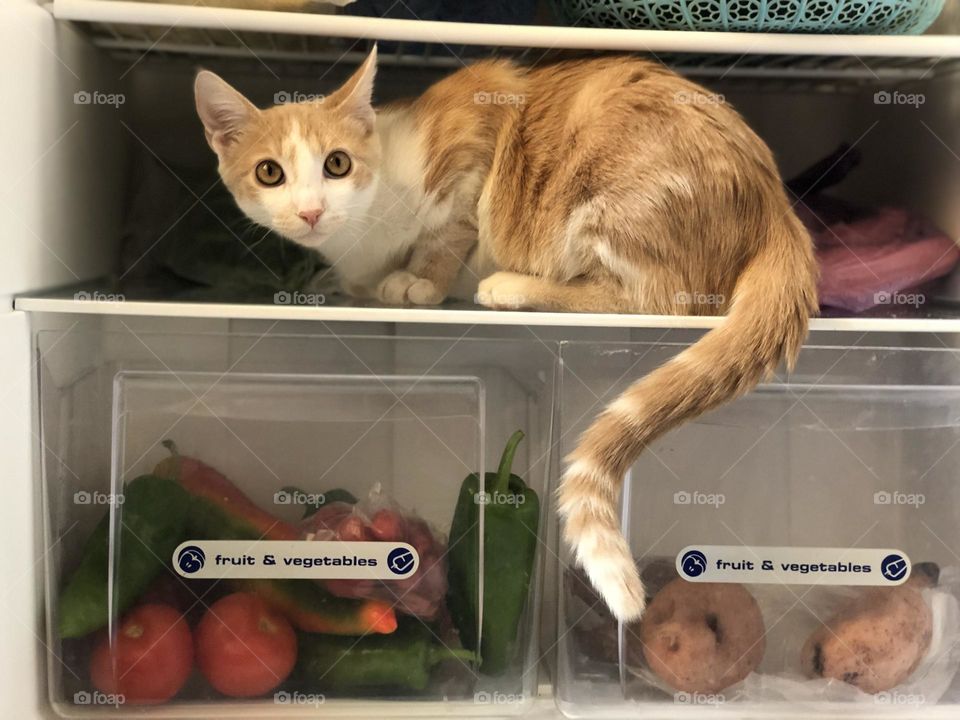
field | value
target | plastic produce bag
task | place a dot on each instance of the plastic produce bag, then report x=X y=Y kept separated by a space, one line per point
x=379 y=518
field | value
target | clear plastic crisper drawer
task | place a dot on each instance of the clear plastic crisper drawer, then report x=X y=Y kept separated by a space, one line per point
x=800 y=546
x=276 y=526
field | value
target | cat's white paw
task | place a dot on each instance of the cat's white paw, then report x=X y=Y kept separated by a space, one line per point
x=402 y=287
x=424 y=292
x=505 y=291
x=393 y=288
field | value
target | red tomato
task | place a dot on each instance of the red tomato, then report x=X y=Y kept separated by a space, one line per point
x=150 y=659
x=387 y=525
x=352 y=528
x=244 y=648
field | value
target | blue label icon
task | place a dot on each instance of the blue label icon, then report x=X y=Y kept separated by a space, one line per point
x=693 y=563
x=894 y=567
x=191 y=559
x=400 y=561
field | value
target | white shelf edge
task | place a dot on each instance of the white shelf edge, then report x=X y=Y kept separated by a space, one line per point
x=146 y=13
x=440 y=316
x=864 y=73
x=539 y=708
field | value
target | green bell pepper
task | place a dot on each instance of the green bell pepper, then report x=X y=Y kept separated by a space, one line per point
x=511 y=518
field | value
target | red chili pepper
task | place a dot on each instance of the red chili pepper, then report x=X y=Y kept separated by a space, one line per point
x=204 y=482
x=311 y=609
x=220 y=511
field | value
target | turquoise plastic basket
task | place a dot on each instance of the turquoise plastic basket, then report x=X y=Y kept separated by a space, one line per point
x=882 y=17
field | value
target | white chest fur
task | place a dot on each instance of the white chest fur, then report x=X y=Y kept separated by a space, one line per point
x=401 y=213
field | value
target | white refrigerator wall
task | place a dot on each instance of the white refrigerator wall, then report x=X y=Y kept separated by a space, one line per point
x=60 y=211
x=60 y=201
x=22 y=682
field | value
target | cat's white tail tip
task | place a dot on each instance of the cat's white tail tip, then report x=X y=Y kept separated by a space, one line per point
x=617 y=581
x=592 y=530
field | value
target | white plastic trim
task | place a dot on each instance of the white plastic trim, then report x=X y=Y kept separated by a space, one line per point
x=146 y=13
x=449 y=316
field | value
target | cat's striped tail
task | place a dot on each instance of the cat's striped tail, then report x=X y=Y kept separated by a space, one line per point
x=766 y=323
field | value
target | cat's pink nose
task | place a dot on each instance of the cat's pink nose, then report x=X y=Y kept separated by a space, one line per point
x=310 y=217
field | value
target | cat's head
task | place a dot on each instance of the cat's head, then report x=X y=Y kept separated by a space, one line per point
x=305 y=170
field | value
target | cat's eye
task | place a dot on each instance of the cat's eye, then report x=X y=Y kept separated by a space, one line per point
x=269 y=173
x=337 y=164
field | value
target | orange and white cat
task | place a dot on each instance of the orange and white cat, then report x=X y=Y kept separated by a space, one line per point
x=604 y=185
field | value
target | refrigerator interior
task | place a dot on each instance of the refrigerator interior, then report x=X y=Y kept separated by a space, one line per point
x=101 y=123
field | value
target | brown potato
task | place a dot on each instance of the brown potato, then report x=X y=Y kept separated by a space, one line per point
x=874 y=643
x=701 y=637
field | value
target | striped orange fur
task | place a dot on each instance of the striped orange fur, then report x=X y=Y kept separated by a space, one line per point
x=603 y=185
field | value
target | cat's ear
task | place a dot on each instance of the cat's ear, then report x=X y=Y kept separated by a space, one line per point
x=355 y=97
x=223 y=110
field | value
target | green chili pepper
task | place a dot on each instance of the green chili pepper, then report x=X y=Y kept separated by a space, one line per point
x=401 y=661
x=511 y=517
x=331 y=496
x=152 y=523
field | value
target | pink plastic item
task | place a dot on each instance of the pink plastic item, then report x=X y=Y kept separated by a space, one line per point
x=874 y=260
